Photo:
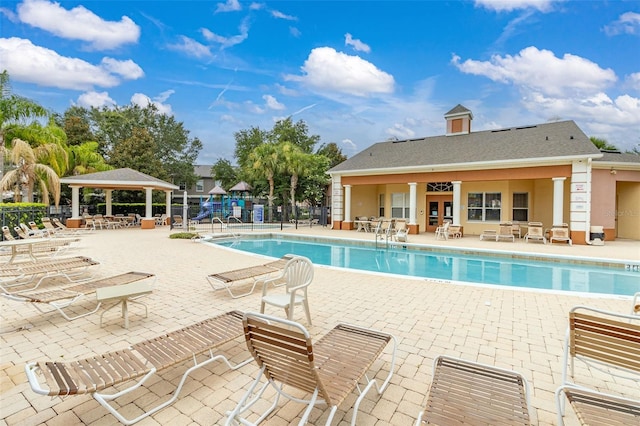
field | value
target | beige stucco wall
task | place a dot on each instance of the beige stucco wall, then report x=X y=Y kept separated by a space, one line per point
x=628 y=211
x=364 y=201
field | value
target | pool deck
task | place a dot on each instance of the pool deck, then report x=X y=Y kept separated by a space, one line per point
x=510 y=328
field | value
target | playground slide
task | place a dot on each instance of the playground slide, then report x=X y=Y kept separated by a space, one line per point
x=204 y=213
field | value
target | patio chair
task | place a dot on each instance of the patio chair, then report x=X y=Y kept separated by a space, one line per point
x=489 y=234
x=560 y=233
x=442 y=231
x=516 y=229
x=138 y=363
x=23 y=273
x=401 y=231
x=226 y=280
x=454 y=231
x=60 y=298
x=597 y=408
x=505 y=232
x=297 y=276
x=465 y=392
x=535 y=232
x=383 y=228
x=608 y=342
x=327 y=371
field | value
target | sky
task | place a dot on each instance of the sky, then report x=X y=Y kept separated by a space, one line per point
x=356 y=72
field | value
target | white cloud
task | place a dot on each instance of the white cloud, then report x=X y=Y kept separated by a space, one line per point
x=127 y=69
x=253 y=108
x=95 y=99
x=279 y=15
x=229 y=6
x=400 y=131
x=35 y=64
x=286 y=91
x=143 y=101
x=356 y=44
x=228 y=41
x=350 y=146
x=272 y=103
x=295 y=32
x=633 y=80
x=11 y=16
x=542 y=71
x=328 y=70
x=510 y=5
x=192 y=48
x=78 y=23
x=256 y=6
x=627 y=23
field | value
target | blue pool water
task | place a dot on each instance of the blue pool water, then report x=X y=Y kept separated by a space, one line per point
x=451 y=266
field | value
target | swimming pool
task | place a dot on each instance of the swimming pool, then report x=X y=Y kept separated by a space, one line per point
x=451 y=266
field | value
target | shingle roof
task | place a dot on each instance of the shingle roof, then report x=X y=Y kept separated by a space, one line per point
x=118 y=178
x=556 y=140
x=457 y=110
x=618 y=157
x=202 y=170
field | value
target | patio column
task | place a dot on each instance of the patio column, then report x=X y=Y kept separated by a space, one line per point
x=456 y=201
x=558 y=200
x=347 y=206
x=412 y=202
x=108 y=193
x=75 y=201
x=167 y=202
x=148 y=221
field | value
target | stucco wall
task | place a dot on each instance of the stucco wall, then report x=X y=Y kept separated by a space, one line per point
x=364 y=201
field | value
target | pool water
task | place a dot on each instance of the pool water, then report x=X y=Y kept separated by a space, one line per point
x=451 y=266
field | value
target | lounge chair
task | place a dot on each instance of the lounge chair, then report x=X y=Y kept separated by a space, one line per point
x=327 y=370
x=61 y=298
x=297 y=276
x=401 y=231
x=505 y=232
x=535 y=232
x=635 y=305
x=25 y=273
x=76 y=231
x=442 y=231
x=610 y=343
x=560 y=233
x=226 y=280
x=516 y=229
x=454 y=231
x=464 y=392
x=489 y=234
x=139 y=362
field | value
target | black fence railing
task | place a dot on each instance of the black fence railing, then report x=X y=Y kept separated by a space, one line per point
x=13 y=216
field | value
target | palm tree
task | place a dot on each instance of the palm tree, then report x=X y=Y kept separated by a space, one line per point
x=29 y=172
x=265 y=162
x=297 y=163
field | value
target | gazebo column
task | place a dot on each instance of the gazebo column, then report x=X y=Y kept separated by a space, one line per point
x=148 y=222
x=108 y=193
x=75 y=221
x=167 y=202
x=456 y=201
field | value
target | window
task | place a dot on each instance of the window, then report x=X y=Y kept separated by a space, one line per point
x=400 y=205
x=439 y=187
x=381 y=206
x=484 y=206
x=200 y=186
x=520 y=206
x=183 y=186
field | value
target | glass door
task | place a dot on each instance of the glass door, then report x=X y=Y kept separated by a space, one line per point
x=440 y=208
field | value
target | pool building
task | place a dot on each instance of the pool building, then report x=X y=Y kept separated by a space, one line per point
x=550 y=173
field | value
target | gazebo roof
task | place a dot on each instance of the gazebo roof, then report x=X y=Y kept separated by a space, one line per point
x=241 y=186
x=126 y=178
x=217 y=190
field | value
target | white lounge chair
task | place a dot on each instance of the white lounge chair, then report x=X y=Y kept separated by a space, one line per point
x=560 y=233
x=535 y=232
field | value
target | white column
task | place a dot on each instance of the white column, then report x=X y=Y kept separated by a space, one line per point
x=167 y=202
x=336 y=200
x=412 y=202
x=558 y=200
x=107 y=196
x=456 y=202
x=148 y=212
x=347 y=203
x=75 y=202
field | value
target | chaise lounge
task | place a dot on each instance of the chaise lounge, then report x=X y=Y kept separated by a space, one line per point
x=139 y=362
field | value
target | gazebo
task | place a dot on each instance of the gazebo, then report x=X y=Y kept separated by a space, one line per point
x=120 y=179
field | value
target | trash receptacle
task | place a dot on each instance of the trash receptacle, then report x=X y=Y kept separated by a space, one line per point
x=596 y=235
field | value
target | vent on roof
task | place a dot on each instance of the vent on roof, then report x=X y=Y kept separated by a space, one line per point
x=526 y=127
x=610 y=151
x=500 y=130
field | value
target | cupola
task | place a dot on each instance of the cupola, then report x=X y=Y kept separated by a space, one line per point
x=458 y=121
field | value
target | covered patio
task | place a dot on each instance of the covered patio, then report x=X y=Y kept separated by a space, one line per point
x=119 y=179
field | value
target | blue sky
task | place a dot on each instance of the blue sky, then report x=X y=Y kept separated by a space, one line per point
x=357 y=72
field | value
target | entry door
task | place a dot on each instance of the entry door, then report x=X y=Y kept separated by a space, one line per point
x=439 y=208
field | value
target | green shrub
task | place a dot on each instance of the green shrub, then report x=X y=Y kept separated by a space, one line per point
x=184 y=235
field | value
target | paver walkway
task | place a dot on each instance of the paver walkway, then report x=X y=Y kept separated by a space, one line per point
x=517 y=329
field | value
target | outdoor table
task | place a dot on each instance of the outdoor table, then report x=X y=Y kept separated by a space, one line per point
x=123 y=294
x=20 y=243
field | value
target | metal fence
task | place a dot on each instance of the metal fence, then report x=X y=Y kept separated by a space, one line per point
x=13 y=216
